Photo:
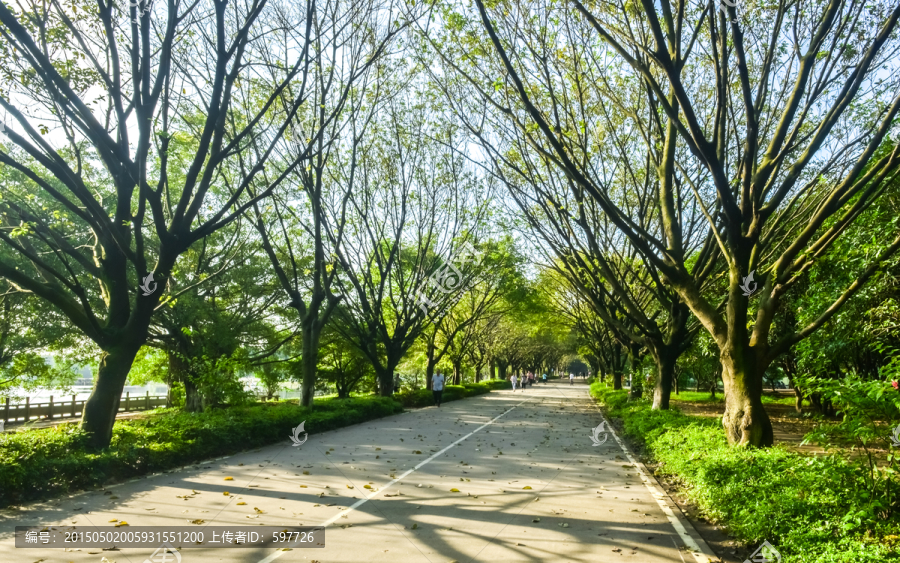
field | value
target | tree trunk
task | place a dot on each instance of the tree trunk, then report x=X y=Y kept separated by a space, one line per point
x=457 y=373
x=478 y=372
x=101 y=407
x=745 y=420
x=193 y=401
x=665 y=359
x=309 y=360
x=798 y=400
x=617 y=380
x=429 y=366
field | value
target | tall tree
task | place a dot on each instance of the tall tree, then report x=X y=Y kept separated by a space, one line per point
x=142 y=102
x=348 y=77
x=778 y=158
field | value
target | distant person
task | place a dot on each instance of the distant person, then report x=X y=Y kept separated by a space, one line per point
x=531 y=378
x=512 y=379
x=397 y=383
x=545 y=378
x=437 y=387
x=571 y=378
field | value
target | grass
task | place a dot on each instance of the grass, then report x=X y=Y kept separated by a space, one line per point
x=812 y=509
x=704 y=397
x=47 y=462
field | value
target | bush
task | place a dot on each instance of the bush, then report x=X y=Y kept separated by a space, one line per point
x=813 y=509
x=52 y=461
x=418 y=398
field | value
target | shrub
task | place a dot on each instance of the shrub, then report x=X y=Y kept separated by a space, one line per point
x=52 y=461
x=813 y=509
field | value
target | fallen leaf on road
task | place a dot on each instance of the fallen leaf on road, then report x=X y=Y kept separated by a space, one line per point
x=241 y=503
x=197 y=521
x=536 y=520
x=526 y=487
x=454 y=490
x=226 y=493
x=306 y=472
x=122 y=523
x=415 y=526
x=229 y=478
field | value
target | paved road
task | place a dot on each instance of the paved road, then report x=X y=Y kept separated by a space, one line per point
x=532 y=487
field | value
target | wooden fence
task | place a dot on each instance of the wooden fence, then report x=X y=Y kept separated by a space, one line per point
x=66 y=408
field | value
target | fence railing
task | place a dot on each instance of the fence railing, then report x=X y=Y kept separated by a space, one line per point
x=23 y=412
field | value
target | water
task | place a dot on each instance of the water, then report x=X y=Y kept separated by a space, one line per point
x=81 y=392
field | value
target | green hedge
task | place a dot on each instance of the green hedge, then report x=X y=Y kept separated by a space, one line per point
x=814 y=509
x=423 y=398
x=52 y=461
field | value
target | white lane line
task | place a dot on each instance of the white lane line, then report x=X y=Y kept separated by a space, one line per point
x=692 y=545
x=361 y=502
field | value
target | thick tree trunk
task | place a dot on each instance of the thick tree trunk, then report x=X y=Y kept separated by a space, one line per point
x=478 y=372
x=457 y=373
x=745 y=420
x=193 y=401
x=101 y=407
x=617 y=380
x=665 y=359
x=309 y=360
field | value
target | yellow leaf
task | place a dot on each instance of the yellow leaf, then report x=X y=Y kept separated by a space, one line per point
x=226 y=493
x=454 y=490
x=114 y=520
x=229 y=478
x=241 y=503
x=527 y=488
x=122 y=523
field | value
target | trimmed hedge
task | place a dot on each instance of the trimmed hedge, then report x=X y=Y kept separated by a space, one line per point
x=52 y=461
x=814 y=509
x=423 y=398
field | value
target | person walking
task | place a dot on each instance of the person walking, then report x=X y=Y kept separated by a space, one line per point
x=545 y=378
x=437 y=387
x=531 y=378
x=571 y=378
x=397 y=383
x=512 y=380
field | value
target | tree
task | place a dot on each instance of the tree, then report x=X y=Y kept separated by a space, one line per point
x=152 y=119
x=348 y=74
x=777 y=158
x=416 y=208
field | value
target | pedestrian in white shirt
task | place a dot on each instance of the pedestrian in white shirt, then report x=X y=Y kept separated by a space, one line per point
x=571 y=378
x=513 y=380
x=437 y=387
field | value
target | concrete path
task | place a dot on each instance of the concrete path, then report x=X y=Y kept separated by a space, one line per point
x=532 y=487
